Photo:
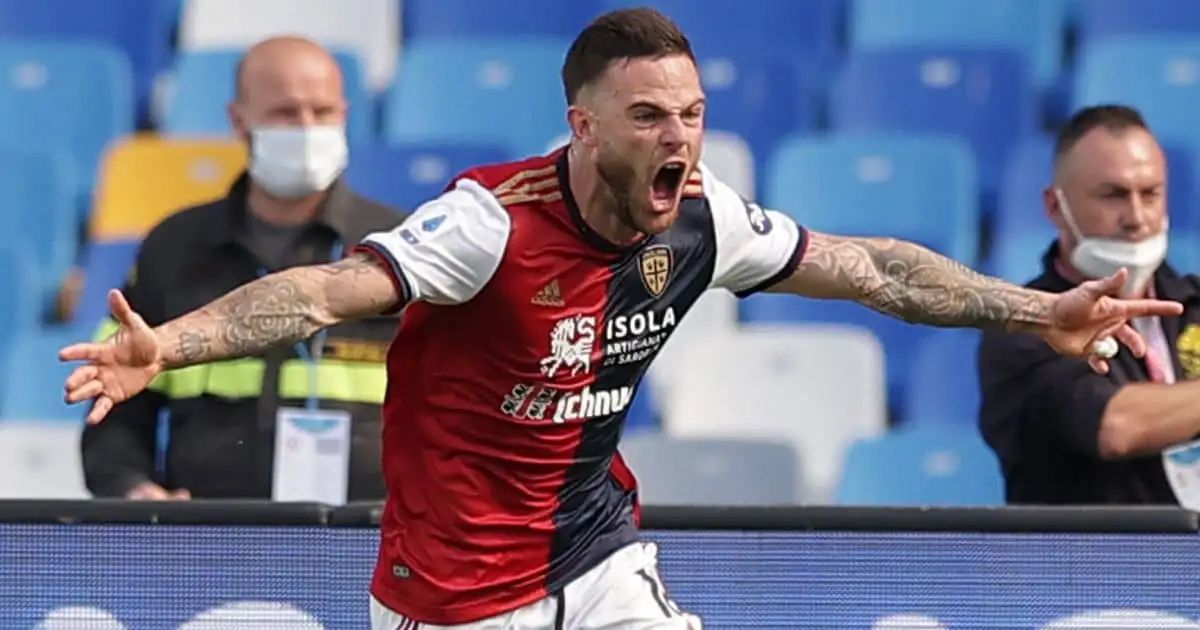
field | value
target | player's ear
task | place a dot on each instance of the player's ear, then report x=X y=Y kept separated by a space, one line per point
x=582 y=123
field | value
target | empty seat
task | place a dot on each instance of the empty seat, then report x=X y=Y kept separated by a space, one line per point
x=134 y=28
x=899 y=339
x=202 y=87
x=106 y=266
x=1020 y=207
x=407 y=175
x=1159 y=75
x=492 y=91
x=922 y=466
x=717 y=472
x=906 y=186
x=40 y=190
x=1017 y=255
x=21 y=284
x=757 y=97
x=34 y=390
x=368 y=28
x=1183 y=252
x=145 y=179
x=74 y=97
x=816 y=388
x=1032 y=28
x=511 y=18
x=713 y=314
x=983 y=96
x=943 y=385
x=1099 y=19
x=42 y=462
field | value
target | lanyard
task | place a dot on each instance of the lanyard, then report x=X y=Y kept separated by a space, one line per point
x=313 y=356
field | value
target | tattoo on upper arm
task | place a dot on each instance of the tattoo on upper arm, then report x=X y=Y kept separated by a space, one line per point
x=912 y=283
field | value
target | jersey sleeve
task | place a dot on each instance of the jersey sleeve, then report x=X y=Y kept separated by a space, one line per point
x=756 y=248
x=448 y=250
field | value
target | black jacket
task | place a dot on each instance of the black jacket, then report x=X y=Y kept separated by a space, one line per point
x=1041 y=412
x=222 y=415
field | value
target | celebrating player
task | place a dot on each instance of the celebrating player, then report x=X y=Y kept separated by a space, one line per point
x=536 y=295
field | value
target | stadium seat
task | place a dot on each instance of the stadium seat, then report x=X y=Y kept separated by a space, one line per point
x=73 y=97
x=756 y=97
x=714 y=314
x=643 y=415
x=133 y=27
x=106 y=266
x=1183 y=252
x=922 y=188
x=1017 y=255
x=40 y=191
x=203 y=85
x=493 y=91
x=806 y=32
x=407 y=175
x=983 y=96
x=1100 y=19
x=1020 y=207
x=144 y=179
x=922 y=466
x=712 y=472
x=20 y=282
x=899 y=339
x=42 y=462
x=510 y=18
x=817 y=388
x=34 y=380
x=1032 y=28
x=1159 y=75
x=368 y=28
x=943 y=385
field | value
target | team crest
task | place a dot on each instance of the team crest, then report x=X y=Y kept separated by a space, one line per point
x=656 y=268
x=1188 y=347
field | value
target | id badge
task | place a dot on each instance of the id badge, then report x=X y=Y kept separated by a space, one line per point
x=1182 y=467
x=312 y=456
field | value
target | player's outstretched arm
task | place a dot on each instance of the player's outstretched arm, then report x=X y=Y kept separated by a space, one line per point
x=912 y=283
x=280 y=308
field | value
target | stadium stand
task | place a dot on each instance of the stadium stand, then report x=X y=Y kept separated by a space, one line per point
x=922 y=119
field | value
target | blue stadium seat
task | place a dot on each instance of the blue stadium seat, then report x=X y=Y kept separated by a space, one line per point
x=922 y=466
x=40 y=192
x=983 y=96
x=408 y=175
x=1020 y=207
x=900 y=340
x=510 y=18
x=106 y=266
x=1017 y=254
x=73 y=97
x=203 y=85
x=1183 y=253
x=1156 y=74
x=1100 y=19
x=943 y=385
x=807 y=31
x=20 y=283
x=135 y=27
x=490 y=91
x=760 y=98
x=34 y=379
x=1032 y=28
x=921 y=188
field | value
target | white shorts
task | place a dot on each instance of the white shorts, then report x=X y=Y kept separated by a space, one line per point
x=624 y=592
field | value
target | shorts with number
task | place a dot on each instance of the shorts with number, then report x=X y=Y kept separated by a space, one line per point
x=622 y=593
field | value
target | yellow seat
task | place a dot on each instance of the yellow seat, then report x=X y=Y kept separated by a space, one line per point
x=143 y=179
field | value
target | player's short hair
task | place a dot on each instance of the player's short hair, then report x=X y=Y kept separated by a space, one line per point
x=1113 y=118
x=617 y=35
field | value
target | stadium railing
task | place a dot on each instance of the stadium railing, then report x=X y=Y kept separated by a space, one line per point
x=243 y=564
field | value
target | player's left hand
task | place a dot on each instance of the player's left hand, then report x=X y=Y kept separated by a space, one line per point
x=1083 y=316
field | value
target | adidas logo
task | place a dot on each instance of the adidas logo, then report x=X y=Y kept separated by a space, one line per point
x=549 y=295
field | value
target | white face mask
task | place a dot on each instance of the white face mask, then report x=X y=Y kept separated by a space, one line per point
x=1102 y=257
x=293 y=162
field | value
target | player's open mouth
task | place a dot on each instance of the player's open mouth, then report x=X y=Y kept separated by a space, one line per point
x=664 y=189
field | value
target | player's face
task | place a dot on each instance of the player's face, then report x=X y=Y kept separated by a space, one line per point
x=649 y=126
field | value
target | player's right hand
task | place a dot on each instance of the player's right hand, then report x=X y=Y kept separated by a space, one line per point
x=117 y=368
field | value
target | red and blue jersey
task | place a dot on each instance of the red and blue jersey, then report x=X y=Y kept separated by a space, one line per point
x=524 y=340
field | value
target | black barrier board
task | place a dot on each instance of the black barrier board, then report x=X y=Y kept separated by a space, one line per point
x=198 y=512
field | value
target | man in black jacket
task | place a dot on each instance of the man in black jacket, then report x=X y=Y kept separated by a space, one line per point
x=289 y=209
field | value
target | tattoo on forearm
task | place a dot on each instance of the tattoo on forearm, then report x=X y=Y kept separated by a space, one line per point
x=914 y=284
x=280 y=308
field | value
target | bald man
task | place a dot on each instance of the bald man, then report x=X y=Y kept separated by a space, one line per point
x=1063 y=433
x=227 y=420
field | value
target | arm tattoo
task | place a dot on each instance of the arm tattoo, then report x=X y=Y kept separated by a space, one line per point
x=281 y=308
x=912 y=283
